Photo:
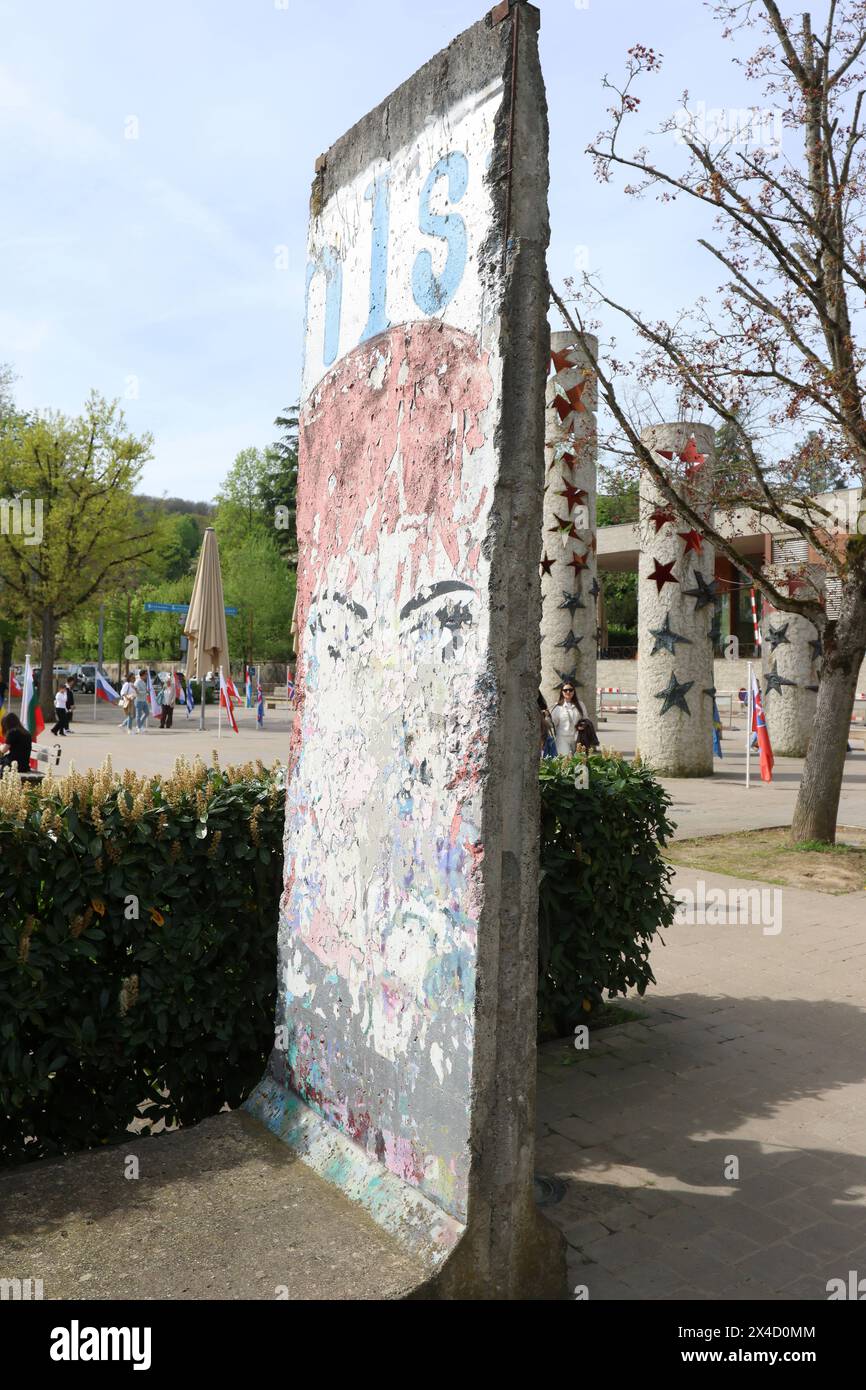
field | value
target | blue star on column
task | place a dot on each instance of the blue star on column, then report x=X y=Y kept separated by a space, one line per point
x=817 y=648
x=705 y=592
x=572 y=602
x=570 y=642
x=776 y=636
x=571 y=677
x=773 y=681
x=595 y=588
x=675 y=693
x=666 y=640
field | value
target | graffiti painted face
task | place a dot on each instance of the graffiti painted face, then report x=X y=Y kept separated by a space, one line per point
x=382 y=833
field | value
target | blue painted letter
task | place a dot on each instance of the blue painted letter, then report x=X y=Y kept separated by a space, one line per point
x=432 y=292
x=378 y=194
x=328 y=261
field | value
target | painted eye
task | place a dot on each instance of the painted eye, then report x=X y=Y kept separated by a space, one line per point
x=454 y=615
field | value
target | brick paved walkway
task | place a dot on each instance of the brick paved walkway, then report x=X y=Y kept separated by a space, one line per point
x=751 y=1047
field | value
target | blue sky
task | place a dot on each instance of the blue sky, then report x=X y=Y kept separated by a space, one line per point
x=147 y=268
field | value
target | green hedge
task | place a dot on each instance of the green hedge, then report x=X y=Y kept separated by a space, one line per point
x=137 y=950
x=107 y=1017
x=604 y=891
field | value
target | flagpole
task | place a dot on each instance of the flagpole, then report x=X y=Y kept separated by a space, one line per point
x=27 y=670
x=749 y=722
x=220 y=708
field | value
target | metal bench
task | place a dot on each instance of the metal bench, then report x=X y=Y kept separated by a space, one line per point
x=48 y=755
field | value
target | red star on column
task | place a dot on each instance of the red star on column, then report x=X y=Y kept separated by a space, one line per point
x=571 y=402
x=577 y=562
x=662 y=575
x=546 y=565
x=693 y=541
x=660 y=516
x=574 y=496
x=690 y=453
x=563 y=524
x=562 y=360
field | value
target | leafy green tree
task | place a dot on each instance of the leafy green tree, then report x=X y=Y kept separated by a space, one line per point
x=280 y=484
x=257 y=583
x=82 y=471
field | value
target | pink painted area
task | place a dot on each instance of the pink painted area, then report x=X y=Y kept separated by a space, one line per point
x=429 y=409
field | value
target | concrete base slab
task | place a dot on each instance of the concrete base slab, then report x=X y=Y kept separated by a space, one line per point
x=221 y=1210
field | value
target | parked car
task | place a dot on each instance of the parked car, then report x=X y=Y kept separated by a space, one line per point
x=85 y=677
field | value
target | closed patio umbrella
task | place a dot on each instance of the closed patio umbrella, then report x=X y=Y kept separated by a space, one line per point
x=205 y=627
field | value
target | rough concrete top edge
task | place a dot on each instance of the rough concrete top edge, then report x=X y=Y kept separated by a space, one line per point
x=469 y=63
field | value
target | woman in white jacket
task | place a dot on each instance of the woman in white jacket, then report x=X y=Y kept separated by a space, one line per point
x=565 y=714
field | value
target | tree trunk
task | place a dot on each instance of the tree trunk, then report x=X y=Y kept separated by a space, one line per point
x=844 y=648
x=46 y=678
x=5 y=656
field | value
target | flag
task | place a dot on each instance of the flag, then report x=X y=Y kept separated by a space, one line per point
x=105 y=690
x=151 y=696
x=31 y=714
x=717 y=731
x=226 y=688
x=290 y=686
x=759 y=726
x=178 y=690
x=260 y=702
x=14 y=687
x=249 y=687
x=231 y=687
x=190 y=698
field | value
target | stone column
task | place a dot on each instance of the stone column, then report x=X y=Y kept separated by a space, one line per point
x=676 y=608
x=569 y=582
x=791 y=658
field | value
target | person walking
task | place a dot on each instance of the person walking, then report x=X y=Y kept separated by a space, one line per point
x=167 y=697
x=565 y=715
x=140 y=686
x=17 y=744
x=127 y=704
x=70 y=703
x=58 y=728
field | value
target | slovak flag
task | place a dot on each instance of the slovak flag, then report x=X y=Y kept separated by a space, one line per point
x=226 y=688
x=151 y=695
x=759 y=726
x=105 y=690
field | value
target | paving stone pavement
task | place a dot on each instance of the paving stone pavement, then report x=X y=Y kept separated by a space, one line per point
x=716 y=1147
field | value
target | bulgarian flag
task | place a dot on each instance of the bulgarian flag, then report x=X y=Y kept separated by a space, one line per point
x=759 y=726
x=226 y=688
x=105 y=690
x=31 y=714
